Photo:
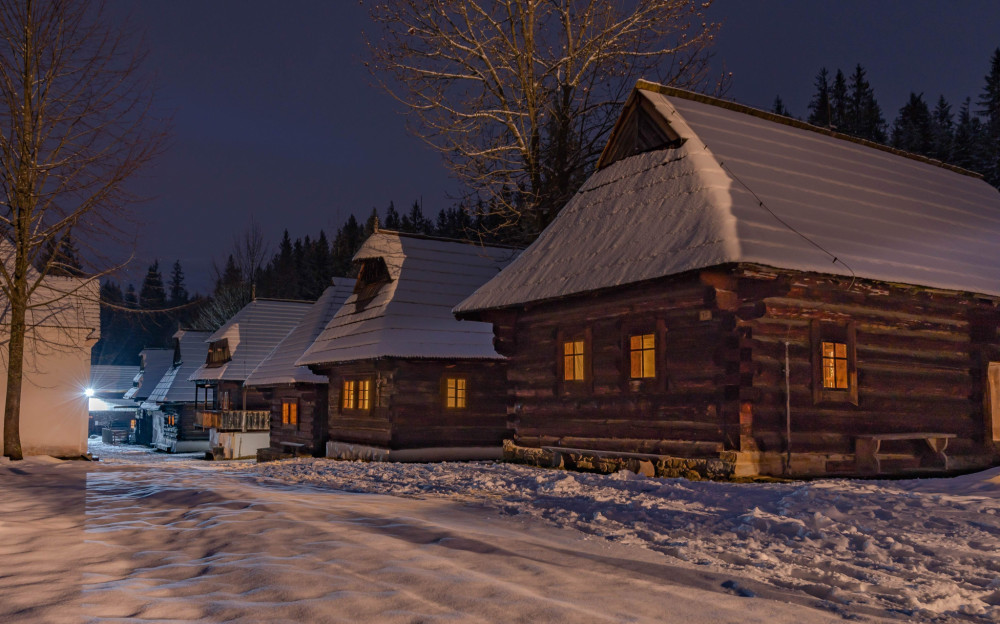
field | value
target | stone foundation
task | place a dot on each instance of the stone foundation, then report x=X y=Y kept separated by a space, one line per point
x=585 y=460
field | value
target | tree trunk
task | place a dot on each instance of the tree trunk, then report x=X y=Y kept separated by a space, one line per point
x=15 y=370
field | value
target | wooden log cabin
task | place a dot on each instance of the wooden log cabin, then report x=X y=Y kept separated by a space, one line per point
x=153 y=365
x=738 y=293
x=297 y=396
x=236 y=416
x=409 y=382
x=171 y=404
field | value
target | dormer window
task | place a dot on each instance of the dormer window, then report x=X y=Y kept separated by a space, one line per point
x=373 y=274
x=218 y=353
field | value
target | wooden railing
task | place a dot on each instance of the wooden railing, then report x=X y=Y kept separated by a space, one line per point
x=234 y=420
x=170 y=432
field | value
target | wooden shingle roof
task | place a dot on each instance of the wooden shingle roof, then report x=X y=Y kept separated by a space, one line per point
x=410 y=314
x=174 y=386
x=251 y=334
x=155 y=363
x=279 y=366
x=744 y=186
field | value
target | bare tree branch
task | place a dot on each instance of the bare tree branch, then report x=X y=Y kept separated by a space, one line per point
x=75 y=125
x=520 y=95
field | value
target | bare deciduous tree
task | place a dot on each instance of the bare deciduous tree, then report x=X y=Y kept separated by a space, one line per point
x=519 y=95
x=236 y=282
x=74 y=127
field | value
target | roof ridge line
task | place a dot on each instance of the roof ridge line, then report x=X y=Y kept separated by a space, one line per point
x=446 y=239
x=647 y=85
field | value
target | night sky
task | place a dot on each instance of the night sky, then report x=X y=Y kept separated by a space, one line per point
x=275 y=117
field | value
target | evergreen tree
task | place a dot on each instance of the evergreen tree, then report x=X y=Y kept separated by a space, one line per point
x=453 y=222
x=320 y=265
x=64 y=256
x=178 y=293
x=838 y=104
x=282 y=280
x=152 y=296
x=942 y=131
x=370 y=223
x=967 y=144
x=913 y=131
x=299 y=264
x=779 y=108
x=820 y=106
x=113 y=339
x=231 y=276
x=130 y=300
x=415 y=222
x=989 y=101
x=392 y=221
x=864 y=116
x=345 y=245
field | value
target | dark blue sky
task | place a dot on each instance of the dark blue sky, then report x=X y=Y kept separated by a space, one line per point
x=275 y=116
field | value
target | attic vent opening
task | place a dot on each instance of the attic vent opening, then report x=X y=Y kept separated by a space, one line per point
x=218 y=353
x=373 y=274
x=641 y=129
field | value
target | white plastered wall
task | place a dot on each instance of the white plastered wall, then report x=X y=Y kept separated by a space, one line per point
x=53 y=404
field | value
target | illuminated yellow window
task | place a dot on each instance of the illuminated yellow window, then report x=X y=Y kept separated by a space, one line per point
x=364 y=394
x=347 y=396
x=289 y=412
x=834 y=365
x=454 y=392
x=643 y=354
x=573 y=360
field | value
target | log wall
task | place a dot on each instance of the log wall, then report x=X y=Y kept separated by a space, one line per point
x=676 y=413
x=407 y=410
x=921 y=361
x=311 y=430
x=921 y=364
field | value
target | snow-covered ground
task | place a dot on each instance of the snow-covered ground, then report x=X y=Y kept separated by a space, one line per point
x=147 y=537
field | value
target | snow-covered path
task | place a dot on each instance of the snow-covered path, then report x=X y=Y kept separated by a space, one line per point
x=189 y=544
x=140 y=537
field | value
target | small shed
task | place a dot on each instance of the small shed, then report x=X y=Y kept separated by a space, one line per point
x=755 y=295
x=407 y=380
x=171 y=404
x=238 y=416
x=298 y=397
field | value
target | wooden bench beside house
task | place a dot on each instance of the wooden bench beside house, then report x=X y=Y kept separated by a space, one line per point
x=867 y=447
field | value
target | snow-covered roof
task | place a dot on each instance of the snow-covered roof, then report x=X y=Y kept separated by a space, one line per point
x=251 y=334
x=279 y=366
x=111 y=378
x=410 y=316
x=155 y=363
x=697 y=203
x=174 y=386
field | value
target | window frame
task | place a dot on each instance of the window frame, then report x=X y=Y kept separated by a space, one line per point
x=575 y=386
x=290 y=413
x=444 y=391
x=657 y=383
x=844 y=333
x=356 y=394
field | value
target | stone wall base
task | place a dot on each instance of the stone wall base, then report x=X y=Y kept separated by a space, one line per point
x=729 y=465
x=345 y=450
